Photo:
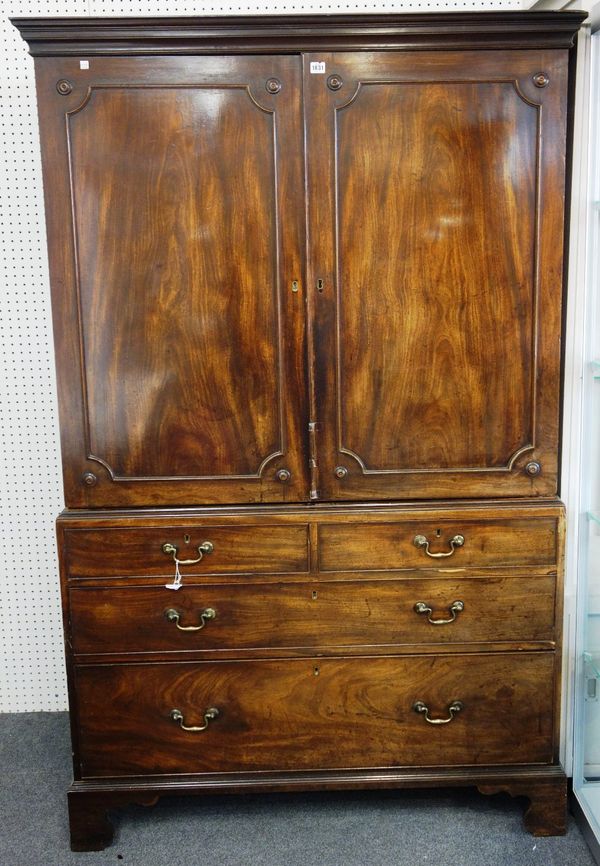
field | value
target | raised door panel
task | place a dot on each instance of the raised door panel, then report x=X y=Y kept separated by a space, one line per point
x=438 y=316
x=185 y=381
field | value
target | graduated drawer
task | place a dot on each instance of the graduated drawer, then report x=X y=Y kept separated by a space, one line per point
x=153 y=619
x=487 y=543
x=138 y=551
x=301 y=714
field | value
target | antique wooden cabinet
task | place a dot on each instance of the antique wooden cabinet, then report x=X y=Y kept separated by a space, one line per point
x=307 y=281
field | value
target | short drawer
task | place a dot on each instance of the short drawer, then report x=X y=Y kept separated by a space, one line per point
x=301 y=714
x=431 y=543
x=337 y=613
x=138 y=551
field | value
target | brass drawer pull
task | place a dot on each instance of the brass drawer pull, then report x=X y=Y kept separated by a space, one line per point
x=454 y=708
x=209 y=716
x=205 y=548
x=455 y=608
x=421 y=541
x=174 y=616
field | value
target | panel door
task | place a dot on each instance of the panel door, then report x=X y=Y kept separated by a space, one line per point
x=437 y=187
x=174 y=197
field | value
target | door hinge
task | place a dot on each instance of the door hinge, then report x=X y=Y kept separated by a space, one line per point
x=313 y=426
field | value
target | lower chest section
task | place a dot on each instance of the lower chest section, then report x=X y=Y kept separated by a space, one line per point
x=316 y=639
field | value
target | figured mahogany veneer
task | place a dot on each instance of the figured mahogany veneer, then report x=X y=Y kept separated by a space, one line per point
x=313 y=713
x=417 y=355
x=307 y=294
x=128 y=551
x=488 y=542
x=314 y=653
x=277 y=615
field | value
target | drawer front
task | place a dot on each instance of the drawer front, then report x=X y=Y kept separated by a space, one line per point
x=302 y=714
x=410 y=544
x=138 y=551
x=345 y=613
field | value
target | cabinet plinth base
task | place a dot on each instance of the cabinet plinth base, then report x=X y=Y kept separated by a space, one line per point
x=89 y=802
x=546 y=814
x=90 y=826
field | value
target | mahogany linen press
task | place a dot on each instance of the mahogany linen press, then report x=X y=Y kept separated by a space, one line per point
x=307 y=282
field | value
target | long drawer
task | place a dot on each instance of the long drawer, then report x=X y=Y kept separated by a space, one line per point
x=336 y=613
x=138 y=550
x=435 y=543
x=301 y=714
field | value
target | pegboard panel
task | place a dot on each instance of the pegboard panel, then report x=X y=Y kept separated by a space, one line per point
x=32 y=673
x=291 y=7
x=32 y=670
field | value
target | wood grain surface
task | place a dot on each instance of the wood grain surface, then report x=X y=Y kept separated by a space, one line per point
x=430 y=292
x=488 y=542
x=438 y=325
x=181 y=345
x=436 y=359
x=137 y=550
x=178 y=284
x=315 y=713
x=367 y=613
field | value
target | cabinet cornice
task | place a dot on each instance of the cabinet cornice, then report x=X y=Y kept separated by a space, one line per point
x=47 y=37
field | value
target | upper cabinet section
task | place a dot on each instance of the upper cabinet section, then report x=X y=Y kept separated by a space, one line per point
x=298 y=259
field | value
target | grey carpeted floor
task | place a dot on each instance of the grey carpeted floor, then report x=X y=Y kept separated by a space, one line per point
x=416 y=828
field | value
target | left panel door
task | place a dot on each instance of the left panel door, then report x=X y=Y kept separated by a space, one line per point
x=174 y=205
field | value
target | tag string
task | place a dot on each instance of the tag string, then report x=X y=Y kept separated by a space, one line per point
x=177 y=581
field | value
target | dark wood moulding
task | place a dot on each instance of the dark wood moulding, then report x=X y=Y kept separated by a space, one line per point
x=266 y=33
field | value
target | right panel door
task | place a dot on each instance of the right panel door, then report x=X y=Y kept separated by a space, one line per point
x=436 y=184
